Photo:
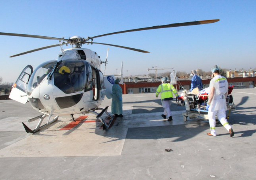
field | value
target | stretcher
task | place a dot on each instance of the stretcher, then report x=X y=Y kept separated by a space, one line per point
x=196 y=104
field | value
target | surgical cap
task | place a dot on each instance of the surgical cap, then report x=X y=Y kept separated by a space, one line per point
x=164 y=79
x=117 y=81
x=216 y=68
x=193 y=71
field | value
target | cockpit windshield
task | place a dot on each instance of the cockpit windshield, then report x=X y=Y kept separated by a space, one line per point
x=40 y=74
x=72 y=76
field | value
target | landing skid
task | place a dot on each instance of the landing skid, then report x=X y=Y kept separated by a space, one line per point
x=108 y=121
x=39 y=126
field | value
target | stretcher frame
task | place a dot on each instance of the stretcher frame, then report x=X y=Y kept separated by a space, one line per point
x=197 y=110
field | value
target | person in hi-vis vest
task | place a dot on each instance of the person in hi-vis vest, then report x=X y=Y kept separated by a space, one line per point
x=167 y=91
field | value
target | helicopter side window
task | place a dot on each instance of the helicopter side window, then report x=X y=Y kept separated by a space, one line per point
x=43 y=73
x=88 y=85
x=40 y=74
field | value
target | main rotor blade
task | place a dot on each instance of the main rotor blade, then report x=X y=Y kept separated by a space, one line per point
x=46 y=47
x=32 y=36
x=124 y=47
x=162 y=26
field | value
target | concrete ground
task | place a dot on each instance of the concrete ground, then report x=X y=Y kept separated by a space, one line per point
x=141 y=145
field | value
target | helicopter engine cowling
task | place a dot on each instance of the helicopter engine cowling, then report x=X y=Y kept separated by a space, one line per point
x=81 y=53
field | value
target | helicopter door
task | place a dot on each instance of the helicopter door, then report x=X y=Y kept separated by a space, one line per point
x=96 y=84
x=19 y=89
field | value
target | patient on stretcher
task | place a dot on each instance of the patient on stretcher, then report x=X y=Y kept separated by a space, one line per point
x=202 y=96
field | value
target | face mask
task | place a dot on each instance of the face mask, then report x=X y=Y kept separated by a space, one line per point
x=191 y=75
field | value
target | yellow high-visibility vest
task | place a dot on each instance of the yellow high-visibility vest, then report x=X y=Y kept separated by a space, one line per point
x=167 y=90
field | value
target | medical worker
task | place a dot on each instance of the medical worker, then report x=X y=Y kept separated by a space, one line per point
x=217 y=102
x=167 y=90
x=117 y=102
x=196 y=81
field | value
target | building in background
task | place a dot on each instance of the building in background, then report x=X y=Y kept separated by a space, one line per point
x=150 y=87
x=240 y=73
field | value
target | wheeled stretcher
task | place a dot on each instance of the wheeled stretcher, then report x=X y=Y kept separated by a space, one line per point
x=196 y=104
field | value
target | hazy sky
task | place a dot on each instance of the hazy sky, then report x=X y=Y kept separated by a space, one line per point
x=229 y=43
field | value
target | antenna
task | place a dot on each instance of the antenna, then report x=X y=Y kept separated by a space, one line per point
x=106 y=61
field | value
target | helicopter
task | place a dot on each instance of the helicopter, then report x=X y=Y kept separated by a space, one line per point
x=74 y=83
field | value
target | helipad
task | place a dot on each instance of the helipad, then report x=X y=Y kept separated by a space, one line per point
x=141 y=145
x=85 y=137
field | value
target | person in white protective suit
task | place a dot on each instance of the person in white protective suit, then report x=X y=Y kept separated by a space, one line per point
x=217 y=102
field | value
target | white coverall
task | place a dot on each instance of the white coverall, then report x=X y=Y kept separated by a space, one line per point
x=218 y=105
x=167 y=110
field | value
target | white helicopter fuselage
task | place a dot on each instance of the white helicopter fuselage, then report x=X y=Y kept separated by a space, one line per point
x=71 y=85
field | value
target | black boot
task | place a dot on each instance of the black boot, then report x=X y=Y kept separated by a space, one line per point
x=164 y=116
x=231 y=132
x=170 y=118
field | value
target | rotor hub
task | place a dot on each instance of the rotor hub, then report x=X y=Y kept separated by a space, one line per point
x=77 y=41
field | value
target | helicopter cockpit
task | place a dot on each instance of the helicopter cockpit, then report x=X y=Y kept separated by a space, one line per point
x=69 y=76
x=72 y=76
